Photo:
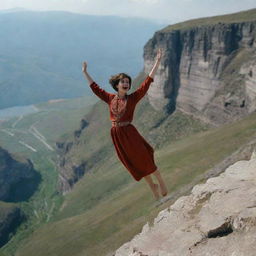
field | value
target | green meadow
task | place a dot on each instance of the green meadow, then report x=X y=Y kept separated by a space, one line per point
x=52 y=120
x=107 y=207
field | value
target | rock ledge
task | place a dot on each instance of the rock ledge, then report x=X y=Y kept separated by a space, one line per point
x=218 y=218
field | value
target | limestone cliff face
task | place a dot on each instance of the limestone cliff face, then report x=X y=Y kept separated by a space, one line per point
x=217 y=218
x=207 y=71
x=69 y=172
x=79 y=154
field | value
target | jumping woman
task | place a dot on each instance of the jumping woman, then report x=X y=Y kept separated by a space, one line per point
x=131 y=148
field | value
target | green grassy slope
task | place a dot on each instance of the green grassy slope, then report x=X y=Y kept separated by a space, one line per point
x=53 y=120
x=81 y=228
x=244 y=16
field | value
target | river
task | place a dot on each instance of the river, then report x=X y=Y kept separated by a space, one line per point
x=8 y=113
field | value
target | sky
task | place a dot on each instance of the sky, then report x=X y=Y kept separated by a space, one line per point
x=170 y=11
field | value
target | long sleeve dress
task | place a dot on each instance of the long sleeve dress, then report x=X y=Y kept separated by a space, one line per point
x=132 y=149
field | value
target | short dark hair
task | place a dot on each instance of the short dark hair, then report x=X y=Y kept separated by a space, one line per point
x=114 y=80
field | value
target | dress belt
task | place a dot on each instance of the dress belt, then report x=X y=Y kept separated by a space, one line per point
x=118 y=124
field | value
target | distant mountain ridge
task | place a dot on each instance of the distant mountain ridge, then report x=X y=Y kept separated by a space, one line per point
x=42 y=53
x=17 y=9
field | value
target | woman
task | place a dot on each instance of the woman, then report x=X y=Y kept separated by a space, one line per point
x=132 y=149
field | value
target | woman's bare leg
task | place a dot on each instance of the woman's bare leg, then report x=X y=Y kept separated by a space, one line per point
x=161 y=183
x=154 y=187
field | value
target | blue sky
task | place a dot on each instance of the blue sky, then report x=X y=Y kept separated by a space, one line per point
x=169 y=11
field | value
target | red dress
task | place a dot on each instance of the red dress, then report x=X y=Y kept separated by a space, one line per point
x=132 y=149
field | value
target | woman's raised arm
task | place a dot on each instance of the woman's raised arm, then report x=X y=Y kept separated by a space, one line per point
x=101 y=93
x=142 y=90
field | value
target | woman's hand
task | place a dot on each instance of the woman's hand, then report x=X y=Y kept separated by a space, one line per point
x=87 y=76
x=84 y=67
x=157 y=63
x=159 y=54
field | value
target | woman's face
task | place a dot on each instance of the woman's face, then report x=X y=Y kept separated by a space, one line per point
x=123 y=85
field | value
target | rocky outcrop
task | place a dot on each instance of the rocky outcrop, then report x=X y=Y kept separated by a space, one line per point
x=74 y=157
x=18 y=179
x=217 y=218
x=69 y=172
x=207 y=71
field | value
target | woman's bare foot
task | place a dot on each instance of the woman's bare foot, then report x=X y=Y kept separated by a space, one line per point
x=161 y=183
x=164 y=191
x=156 y=191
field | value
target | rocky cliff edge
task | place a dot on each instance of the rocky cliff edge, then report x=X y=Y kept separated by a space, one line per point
x=218 y=218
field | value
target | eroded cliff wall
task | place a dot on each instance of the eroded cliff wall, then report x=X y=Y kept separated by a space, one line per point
x=207 y=71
